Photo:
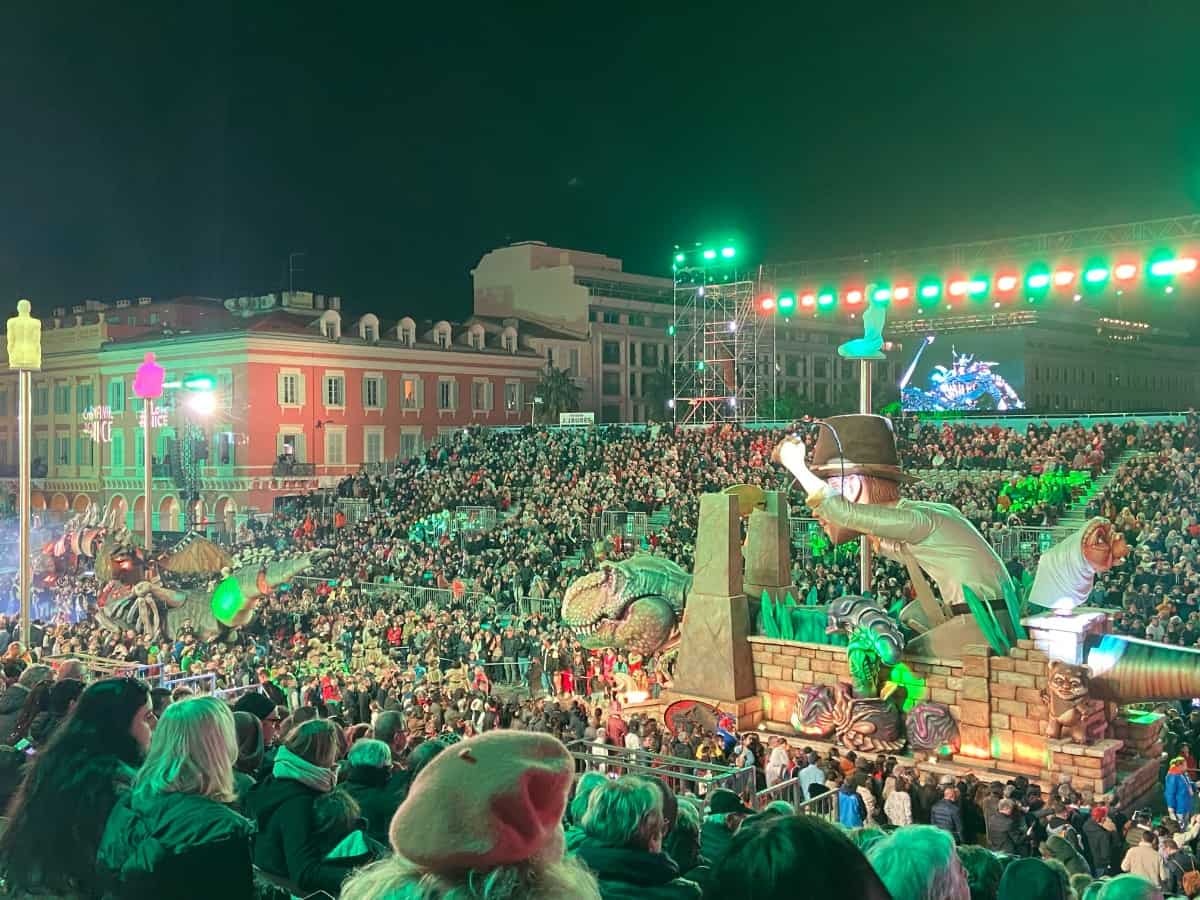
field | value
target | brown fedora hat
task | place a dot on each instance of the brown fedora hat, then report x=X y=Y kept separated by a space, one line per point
x=868 y=447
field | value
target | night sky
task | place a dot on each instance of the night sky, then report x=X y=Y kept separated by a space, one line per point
x=166 y=149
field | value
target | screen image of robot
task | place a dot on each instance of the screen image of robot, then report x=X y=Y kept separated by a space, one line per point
x=968 y=371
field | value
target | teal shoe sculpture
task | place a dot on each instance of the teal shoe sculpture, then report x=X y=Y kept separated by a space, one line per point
x=870 y=345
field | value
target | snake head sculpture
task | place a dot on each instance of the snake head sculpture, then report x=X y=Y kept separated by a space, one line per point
x=635 y=605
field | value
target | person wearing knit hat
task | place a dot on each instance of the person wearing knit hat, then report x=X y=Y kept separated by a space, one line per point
x=483 y=819
x=1030 y=879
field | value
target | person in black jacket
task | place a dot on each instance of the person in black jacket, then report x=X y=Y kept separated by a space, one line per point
x=173 y=835
x=71 y=788
x=282 y=805
x=1006 y=832
x=624 y=825
x=365 y=778
x=1104 y=841
x=946 y=816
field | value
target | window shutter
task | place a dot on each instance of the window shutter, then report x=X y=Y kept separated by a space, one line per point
x=420 y=393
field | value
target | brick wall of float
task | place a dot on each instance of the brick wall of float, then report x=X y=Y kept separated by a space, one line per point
x=783 y=668
x=997 y=701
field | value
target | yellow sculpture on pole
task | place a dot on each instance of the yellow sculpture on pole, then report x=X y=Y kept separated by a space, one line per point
x=24 y=340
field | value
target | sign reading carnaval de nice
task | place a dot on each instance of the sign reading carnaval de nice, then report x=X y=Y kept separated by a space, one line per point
x=98 y=422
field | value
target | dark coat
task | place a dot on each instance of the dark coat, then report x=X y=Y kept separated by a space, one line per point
x=287 y=845
x=627 y=873
x=1107 y=847
x=377 y=804
x=11 y=702
x=946 y=816
x=1178 y=864
x=179 y=846
x=1005 y=833
x=715 y=837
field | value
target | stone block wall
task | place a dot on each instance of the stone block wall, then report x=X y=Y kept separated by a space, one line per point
x=997 y=701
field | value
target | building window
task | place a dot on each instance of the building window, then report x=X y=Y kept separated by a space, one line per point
x=441 y=337
x=447 y=394
x=116 y=454
x=41 y=400
x=291 y=447
x=820 y=369
x=610 y=353
x=611 y=383
x=335 y=447
x=636 y=320
x=330 y=328
x=373 y=392
x=84 y=398
x=289 y=389
x=41 y=450
x=475 y=338
x=85 y=451
x=612 y=318
x=512 y=395
x=610 y=412
x=574 y=357
x=225 y=448
x=410 y=392
x=373 y=446
x=4 y=450
x=369 y=334
x=650 y=356
x=116 y=395
x=335 y=390
x=481 y=395
x=62 y=450
x=410 y=444
x=3 y=403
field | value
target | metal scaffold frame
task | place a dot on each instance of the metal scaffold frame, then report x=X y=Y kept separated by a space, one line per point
x=720 y=348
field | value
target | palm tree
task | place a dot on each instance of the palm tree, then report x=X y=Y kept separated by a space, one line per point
x=559 y=394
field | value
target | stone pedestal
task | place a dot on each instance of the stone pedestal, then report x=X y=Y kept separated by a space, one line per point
x=769 y=550
x=715 y=660
x=1062 y=637
x=1092 y=768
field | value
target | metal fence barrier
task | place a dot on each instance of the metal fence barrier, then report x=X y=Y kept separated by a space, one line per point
x=789 y=791
x=682 y=775
x=1021 y=542
x=823 y=806
x=629 y=526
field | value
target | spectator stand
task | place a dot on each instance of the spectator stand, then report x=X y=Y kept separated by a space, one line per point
x=613 y=524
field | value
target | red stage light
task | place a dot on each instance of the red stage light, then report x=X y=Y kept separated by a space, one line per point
x=901 y=293
x=957 y=288
x=854 y=296
x=1125 y=271
x=1063 y=277
x=808 y=300
x=766 y=304
x=1006 y=282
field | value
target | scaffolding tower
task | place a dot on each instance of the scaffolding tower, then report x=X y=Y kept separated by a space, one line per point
x=721 y=349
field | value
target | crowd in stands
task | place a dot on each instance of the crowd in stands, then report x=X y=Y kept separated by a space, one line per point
x=137 y=792
x=353 y=695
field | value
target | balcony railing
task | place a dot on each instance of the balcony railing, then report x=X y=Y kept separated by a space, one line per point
x=293 y=470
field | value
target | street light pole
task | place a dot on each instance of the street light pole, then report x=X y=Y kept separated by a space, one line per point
x=148 y=473
x=148 y=386
x=24 y=338
x=533 y=405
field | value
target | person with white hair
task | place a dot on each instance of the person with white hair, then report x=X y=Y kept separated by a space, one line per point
x=919 y=863
x=173 y=834
x=365 y=778
x=625 y=826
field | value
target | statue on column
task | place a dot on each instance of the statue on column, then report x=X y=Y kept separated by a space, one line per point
x=148 y=379
x=24 y=339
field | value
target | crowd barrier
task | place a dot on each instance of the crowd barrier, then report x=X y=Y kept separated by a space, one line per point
x=683 y=775
x=823 y=806
x=789 y=791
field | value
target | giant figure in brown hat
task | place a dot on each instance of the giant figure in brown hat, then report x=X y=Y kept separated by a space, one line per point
x=853 y=485
x=853 y=482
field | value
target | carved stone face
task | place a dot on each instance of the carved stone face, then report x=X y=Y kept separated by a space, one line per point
x=1069 y=683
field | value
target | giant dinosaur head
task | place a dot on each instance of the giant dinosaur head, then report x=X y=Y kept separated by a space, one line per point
x=634 y=605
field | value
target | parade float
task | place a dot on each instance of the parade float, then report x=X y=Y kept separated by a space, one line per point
x=977 y=672
x=194 y=583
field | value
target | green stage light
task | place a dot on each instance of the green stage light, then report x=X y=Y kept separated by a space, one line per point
x=679 y=257
x=787 y=303
x=977 y=287
x=1039 y=280
x=930 y=290
x=825 y=299
x=881 y=295
x=728 y=252
x=1096 y=275
x=710 y=254
x=199 y=382
x=1165 y=268
x=671 y=331
x=700 y=366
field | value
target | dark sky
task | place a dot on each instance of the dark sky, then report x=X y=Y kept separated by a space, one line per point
x=177 y=148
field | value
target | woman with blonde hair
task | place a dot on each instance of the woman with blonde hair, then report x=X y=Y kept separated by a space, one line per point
x=173 y=835
x=483 y=821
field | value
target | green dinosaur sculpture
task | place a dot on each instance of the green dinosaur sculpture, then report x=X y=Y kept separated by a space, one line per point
x=634 y=605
